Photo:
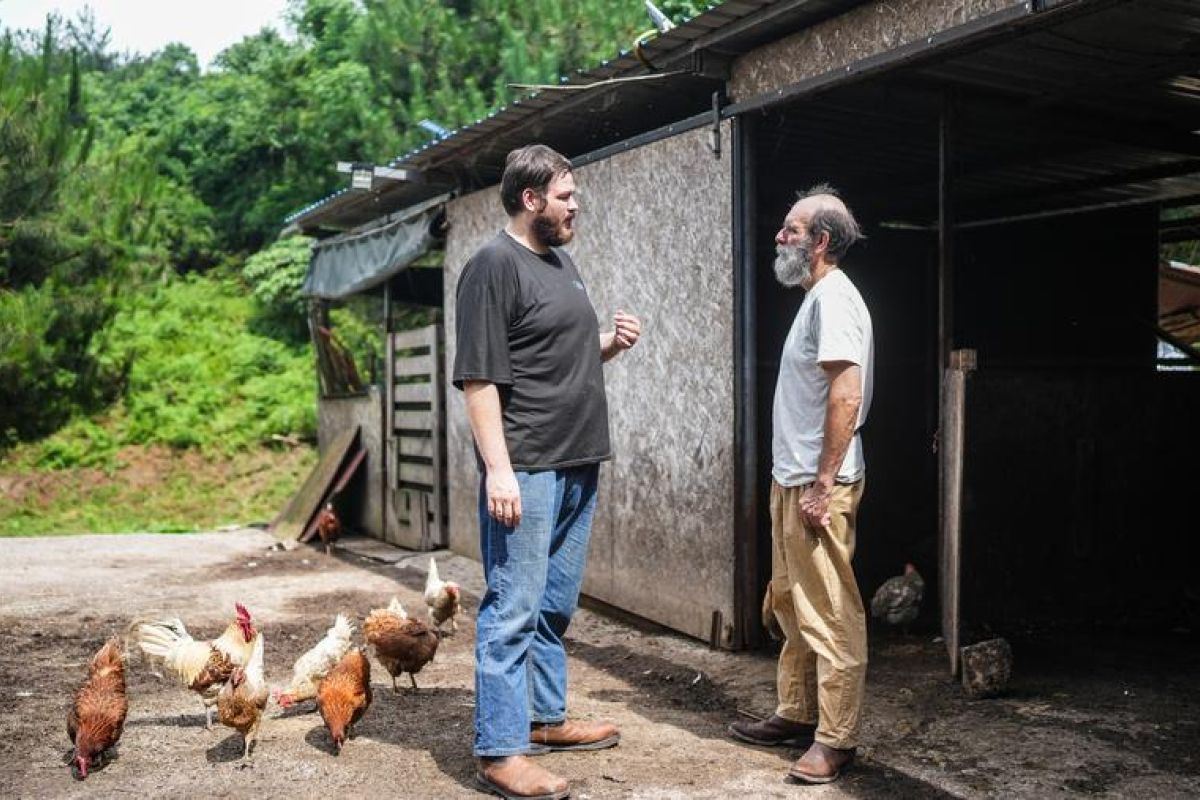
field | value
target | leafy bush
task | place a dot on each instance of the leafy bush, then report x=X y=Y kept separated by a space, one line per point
x=276 y=277
x=201 y=378
x=82 y=443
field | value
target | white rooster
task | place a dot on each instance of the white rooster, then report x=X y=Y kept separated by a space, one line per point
x=315 y=664
x=443 y=598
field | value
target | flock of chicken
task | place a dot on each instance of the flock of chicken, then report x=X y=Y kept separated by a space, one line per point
x=227 y=672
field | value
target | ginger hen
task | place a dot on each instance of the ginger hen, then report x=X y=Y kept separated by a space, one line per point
x=401 y=644
x=241 y=700
x=97 y=716
x=443 y=598
x=345 y=695
x=329 y=527
x=315 y=664
x=203 y=667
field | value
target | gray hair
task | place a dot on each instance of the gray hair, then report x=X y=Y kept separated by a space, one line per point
x=834 y=219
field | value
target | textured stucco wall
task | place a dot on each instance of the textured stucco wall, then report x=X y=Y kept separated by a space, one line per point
x=473 y=220
x=654 y=238
x=361 y=507
x=860 y=33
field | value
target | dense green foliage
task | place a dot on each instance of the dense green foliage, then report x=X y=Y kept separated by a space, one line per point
x=50 y=249
x=198 y=377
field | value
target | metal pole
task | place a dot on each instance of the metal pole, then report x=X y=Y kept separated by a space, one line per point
x=745 y=387
x=945 y=234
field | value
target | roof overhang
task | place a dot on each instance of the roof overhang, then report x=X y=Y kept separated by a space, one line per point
x=659 y=81
x=1056 y=108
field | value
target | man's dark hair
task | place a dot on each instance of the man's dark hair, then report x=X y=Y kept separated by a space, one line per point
x=529 y=167
x=841 y=226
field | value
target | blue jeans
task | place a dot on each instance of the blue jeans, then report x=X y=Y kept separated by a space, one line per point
x=534 y=572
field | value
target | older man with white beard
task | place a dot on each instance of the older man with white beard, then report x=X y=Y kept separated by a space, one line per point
x=821 y=400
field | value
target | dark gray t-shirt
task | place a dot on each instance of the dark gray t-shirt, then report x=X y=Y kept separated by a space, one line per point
x=525 y=323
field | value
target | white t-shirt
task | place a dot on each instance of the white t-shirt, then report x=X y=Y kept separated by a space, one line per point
x=832 y=325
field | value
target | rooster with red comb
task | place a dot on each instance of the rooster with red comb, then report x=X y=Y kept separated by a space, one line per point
x=201 y=666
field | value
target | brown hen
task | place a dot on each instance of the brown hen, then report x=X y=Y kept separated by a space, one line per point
x=345 y=695
x=329 y=527
x=97 y=716
x=241 y=701
x=401 y=644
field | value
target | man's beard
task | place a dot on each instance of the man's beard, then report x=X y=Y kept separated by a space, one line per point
x=551 y=233
x=793 y=264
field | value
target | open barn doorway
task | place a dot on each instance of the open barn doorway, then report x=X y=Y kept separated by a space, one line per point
x=1056 y=159
x=824 y=141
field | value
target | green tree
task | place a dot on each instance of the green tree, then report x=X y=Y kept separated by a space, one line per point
x=75 y=226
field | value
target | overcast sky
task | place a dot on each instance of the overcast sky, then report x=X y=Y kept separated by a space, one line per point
x=143 y=26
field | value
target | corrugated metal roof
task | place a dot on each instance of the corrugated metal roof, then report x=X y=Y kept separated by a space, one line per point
x=579 y=121
x=1090 y=103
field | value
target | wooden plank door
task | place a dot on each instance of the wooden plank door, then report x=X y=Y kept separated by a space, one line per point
x=416 y=439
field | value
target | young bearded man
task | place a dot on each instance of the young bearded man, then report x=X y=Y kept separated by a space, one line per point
x=529 y=355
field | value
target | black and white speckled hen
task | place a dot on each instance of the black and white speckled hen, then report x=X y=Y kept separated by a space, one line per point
x=898 y=600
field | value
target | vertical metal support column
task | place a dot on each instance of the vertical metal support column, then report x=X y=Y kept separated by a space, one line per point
x=386 y=436
x=945 y=234
x=746 y=598
x=950 y=397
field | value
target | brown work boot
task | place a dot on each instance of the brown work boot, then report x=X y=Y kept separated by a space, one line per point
x=821 y=764
x=572 y=735
x=774 y=731
x=518 y=778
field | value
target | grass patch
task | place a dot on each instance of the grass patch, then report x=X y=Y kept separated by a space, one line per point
x=215 y=425
x=153 y=489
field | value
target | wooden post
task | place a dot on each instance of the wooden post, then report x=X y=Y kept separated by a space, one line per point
x=953 y=440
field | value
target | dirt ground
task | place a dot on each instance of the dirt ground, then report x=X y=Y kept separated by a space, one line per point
x=1087 y=715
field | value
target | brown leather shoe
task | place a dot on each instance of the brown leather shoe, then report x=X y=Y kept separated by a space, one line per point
x=518 y=778
x=774 y=731
x=821 y=764
x=572 y=735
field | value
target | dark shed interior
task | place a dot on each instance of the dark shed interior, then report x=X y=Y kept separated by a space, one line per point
x=1051 y=151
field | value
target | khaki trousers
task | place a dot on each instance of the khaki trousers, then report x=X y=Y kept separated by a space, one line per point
x=823 y=666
